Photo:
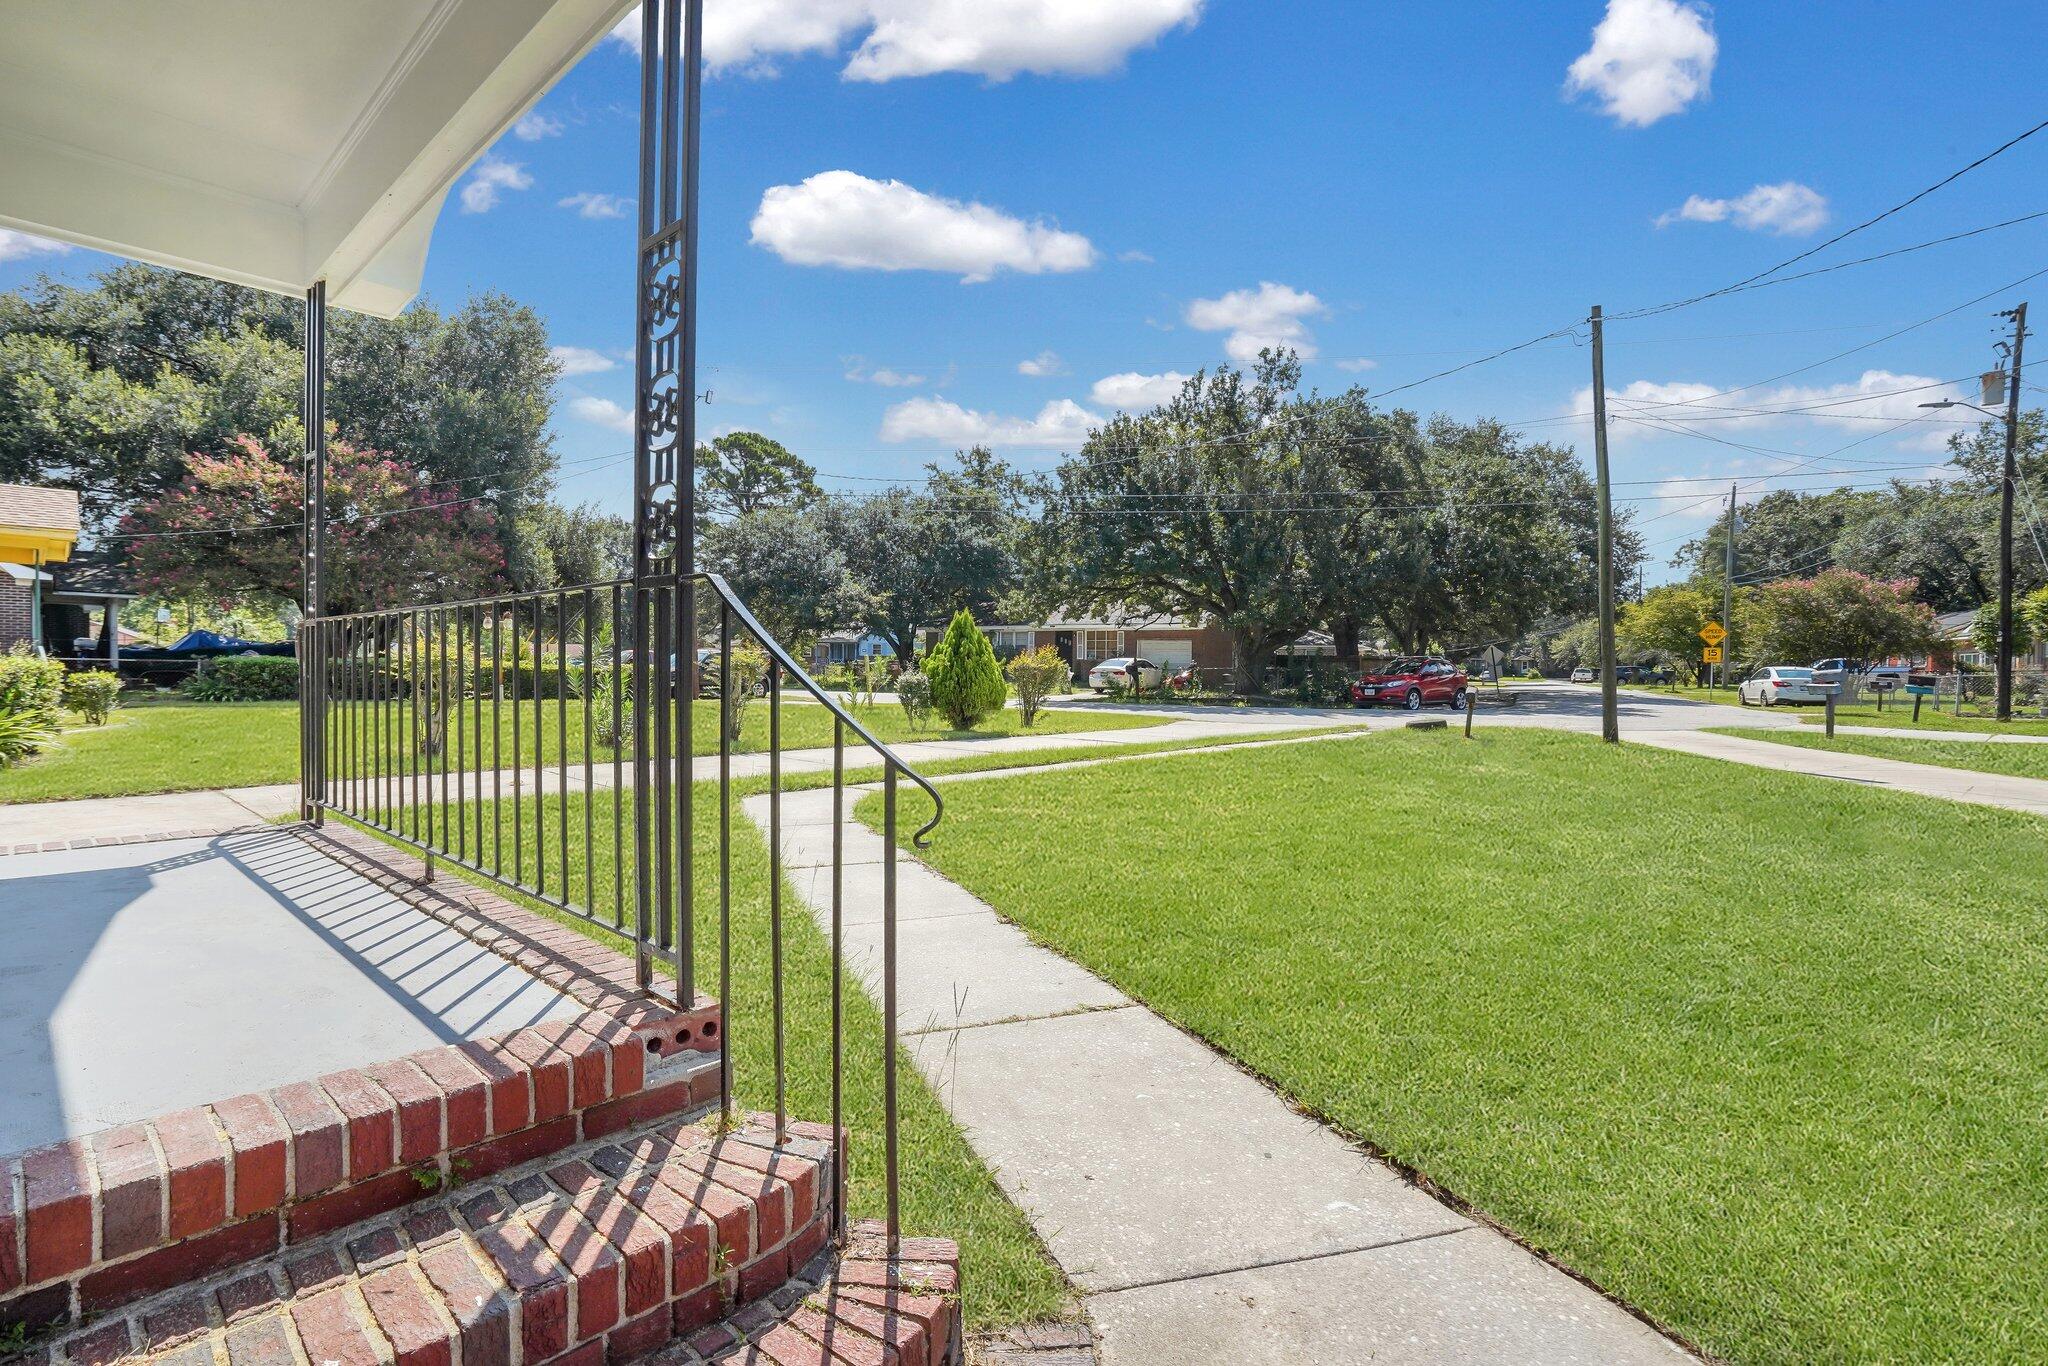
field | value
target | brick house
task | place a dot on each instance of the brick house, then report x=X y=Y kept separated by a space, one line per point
x=48 y=587
x=1085 y=641
x=38 y=528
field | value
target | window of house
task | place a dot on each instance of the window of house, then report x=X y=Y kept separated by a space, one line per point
x=1101 y=644
x=1008 y=644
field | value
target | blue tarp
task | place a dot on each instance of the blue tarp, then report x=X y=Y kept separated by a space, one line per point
x=208 y=640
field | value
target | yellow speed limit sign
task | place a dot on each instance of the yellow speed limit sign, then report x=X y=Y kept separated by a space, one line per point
x=1711 y=655
x=1713 y=633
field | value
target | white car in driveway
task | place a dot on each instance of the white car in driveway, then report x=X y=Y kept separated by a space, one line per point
x=1124 y=672
x=1768 y=687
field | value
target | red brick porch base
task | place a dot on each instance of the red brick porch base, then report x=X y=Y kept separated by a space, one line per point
x=601 y=1253
x=338 y=1219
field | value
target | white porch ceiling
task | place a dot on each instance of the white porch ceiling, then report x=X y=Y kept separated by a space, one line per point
x=268 y=142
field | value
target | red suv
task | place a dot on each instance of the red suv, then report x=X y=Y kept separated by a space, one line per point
x=1410 y=683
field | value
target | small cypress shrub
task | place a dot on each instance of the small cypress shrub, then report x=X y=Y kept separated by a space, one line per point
x=914 y=692
x=1036 y=676
x=967 y=683
x=93 y=694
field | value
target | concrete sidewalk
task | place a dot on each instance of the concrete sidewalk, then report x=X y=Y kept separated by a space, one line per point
x=1203 y=1219
x=161 y=815
x=1927 y=780
x=169 y=814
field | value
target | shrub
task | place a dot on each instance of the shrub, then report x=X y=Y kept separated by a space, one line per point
x=31 y=685
x=93 y=694
x=914 y=691
x=244 y=678
x=1036 y=676
x=967 y=683
x=613 y=729
x=749 y=671
x=22 y=733
x=871 y=675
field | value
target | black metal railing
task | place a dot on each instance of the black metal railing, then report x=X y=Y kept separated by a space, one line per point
x=523 y=737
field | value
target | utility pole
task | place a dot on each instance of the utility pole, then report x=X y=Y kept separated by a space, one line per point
x=2005 y=494
x=1728 y=593
x=1610 y=724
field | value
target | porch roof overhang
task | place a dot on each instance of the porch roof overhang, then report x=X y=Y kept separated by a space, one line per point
x=270 y=143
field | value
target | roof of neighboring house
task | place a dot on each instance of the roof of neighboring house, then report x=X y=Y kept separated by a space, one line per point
x=95 y=574
x=1956 y=625
x=1113 y=620
x=37 y=521
x=30 y=505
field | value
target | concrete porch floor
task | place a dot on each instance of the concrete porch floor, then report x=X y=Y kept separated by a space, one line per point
x=137 y=979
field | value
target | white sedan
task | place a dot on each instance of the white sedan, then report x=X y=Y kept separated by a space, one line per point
x=1769 y=687
x=1125 y=673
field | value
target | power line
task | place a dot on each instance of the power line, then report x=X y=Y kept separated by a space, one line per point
x=1872 y=221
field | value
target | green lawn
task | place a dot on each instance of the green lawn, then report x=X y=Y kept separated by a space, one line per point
x=1769 y=1070
x=2018 y=761
x=164 y=747
x=180 y=746
x=1900 y=714
x=947 y=1191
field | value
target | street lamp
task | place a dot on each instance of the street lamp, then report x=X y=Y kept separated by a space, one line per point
x=2011 y=477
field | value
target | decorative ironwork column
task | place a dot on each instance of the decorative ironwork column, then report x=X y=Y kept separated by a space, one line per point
x=664 y=508
x=312 y=679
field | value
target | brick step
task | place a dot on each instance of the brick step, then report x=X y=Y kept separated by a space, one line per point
x=94 y=1223
x=859 y=1307
x=601 y=1252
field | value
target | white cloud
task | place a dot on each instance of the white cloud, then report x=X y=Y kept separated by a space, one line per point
x=536 y=126
x=580 y=360
x=1862 y=405
x=998 y=39
x=1141 y=257
x=1788 y=209
x=749 y=34
x=859 y=373
x=1043 y=365
x=491 y=177
x=1134 y=393
x=1061 y=423
x=1271 y=315
x=591 y=204
x=19 y=246
x=838 y=218
x=1358 y=365
x=604 y=413
x=1649 y=60
x=1002 y=38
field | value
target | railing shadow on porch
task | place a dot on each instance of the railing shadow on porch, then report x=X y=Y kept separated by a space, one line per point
x=543 y=742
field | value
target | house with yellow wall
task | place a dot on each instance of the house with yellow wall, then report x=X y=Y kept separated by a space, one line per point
x=48 y=586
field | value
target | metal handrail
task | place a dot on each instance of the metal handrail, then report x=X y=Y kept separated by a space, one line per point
x=404 y=718
x=922 y=837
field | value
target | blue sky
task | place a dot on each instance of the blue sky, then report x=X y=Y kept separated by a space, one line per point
x=1071 y=197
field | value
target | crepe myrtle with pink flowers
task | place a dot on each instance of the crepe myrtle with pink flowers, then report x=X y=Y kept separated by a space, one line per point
x=230 y=528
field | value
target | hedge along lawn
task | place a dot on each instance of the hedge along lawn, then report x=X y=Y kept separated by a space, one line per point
x=1769 y=1069
x=177 y=746
x=1982 y=756
x=1009 y=1278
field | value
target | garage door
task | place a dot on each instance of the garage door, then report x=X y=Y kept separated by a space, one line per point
x=1170 y=653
